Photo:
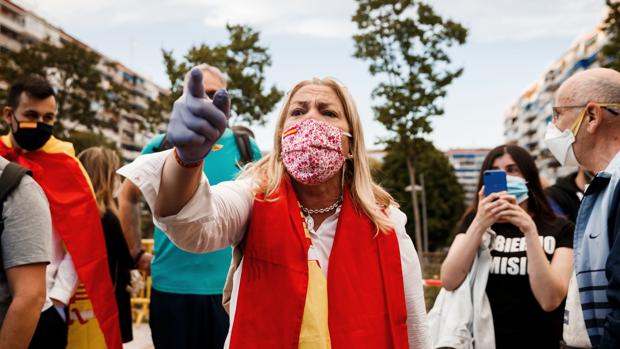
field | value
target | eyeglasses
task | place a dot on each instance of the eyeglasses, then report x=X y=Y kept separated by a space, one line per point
x=556 y=113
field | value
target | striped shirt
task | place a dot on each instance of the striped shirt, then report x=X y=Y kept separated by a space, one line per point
x=592 y=248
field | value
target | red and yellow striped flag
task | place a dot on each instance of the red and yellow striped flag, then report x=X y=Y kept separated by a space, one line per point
x=76 y=219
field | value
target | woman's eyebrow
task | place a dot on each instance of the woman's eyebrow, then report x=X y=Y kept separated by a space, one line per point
x=302 y=104
x=323 y=105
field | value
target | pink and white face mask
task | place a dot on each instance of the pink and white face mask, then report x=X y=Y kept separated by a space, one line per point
x=312 y=151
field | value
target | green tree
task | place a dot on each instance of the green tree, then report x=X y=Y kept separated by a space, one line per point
x=242 y=59
x=444 y=195
x=609 y=56
x=406 y=44
x=84 y=140
x=72 y=70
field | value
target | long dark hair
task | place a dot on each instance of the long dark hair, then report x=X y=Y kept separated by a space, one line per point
x=538 y=205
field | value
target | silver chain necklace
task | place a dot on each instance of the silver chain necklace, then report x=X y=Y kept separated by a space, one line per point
x=308 y=212
x=329 y=208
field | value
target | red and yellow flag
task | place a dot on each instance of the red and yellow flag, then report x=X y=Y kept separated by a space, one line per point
x=76 y=219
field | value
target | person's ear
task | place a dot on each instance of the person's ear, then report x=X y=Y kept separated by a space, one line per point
x=6 y=115
x=593 y=118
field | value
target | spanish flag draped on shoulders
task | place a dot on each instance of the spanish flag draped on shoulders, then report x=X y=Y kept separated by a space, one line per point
x=76 y=219
x=359 y=304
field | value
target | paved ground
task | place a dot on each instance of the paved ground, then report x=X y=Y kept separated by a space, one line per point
x=141 y=338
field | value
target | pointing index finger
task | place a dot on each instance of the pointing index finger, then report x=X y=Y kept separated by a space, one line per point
x=194 y=84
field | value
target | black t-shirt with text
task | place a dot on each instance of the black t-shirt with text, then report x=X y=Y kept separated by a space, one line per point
x=519 y=320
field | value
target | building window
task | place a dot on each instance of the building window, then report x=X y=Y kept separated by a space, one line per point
x=9 y=33
x=7 y=12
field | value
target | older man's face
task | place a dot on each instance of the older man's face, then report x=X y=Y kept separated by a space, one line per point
x=211 y=83
x=567 y=109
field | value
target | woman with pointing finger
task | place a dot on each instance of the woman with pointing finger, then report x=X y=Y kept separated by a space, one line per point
x=322 y=256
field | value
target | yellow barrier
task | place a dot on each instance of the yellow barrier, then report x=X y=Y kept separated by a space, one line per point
x=140 y=304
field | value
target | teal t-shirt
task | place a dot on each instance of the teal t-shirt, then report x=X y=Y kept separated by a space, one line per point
x=176 y=271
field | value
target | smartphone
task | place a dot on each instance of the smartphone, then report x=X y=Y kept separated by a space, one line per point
x=494 y=181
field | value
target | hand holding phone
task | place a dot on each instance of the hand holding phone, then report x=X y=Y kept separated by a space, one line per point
x=490 y=203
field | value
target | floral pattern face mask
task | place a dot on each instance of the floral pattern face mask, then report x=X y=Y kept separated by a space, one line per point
x=312 y=151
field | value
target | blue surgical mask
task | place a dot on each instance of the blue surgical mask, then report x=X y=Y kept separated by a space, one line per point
x=517 y=187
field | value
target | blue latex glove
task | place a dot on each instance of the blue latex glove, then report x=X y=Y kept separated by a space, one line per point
x=197 y=122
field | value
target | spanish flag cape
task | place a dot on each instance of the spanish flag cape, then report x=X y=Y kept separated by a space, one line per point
x=365 y=288
x=76 y=219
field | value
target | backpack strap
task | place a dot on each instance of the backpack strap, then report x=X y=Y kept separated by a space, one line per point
x=242 y=138
x=9 y=180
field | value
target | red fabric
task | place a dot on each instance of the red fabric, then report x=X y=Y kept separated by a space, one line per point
x=76 y=219
x=365 y=287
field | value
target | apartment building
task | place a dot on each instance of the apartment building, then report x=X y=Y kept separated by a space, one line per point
x=467 y=164
x=19 y=27
x=526 y=119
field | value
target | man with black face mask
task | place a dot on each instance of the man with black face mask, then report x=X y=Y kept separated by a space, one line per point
x=78 y=254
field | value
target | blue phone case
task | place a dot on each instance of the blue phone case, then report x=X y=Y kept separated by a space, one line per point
x=494 y=181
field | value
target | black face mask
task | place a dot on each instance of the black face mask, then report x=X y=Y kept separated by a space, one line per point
x=32 y=138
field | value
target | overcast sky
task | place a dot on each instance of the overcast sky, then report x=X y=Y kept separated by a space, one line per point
x=511 y=42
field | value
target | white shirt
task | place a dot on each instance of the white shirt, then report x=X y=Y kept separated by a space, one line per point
x=217 y=216
x=61 y=279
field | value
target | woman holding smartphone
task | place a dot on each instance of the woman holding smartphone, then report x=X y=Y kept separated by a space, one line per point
x=531 y=253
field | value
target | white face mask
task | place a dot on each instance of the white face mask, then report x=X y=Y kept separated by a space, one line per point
x=560 y=144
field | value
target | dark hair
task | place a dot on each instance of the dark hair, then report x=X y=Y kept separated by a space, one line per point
x=34 y=86
x=242 y=129
x=537 y=202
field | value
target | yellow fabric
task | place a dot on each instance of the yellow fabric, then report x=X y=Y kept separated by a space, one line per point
x=314 y=327
x=53 y=145
x=84 y=330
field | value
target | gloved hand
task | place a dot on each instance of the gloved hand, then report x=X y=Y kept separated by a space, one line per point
x=197 y=122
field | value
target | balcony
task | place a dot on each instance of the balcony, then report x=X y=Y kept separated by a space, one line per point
x=129 y=155
x=133 y=147
x=10 y=43
x=12 y=16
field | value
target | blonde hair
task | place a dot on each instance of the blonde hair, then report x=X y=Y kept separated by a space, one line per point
x=101 y=165
x=206 y=68
x=367 y=196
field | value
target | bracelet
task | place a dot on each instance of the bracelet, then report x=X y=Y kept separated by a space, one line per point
x=183 y=163
x=136 y=259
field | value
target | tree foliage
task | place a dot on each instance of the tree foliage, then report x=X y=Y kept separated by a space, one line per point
x=406 y=43
x=79 y=85
x=85 y=140
x=444 y=195
x=610 y=53
x=243 y=60
x=70 y=68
